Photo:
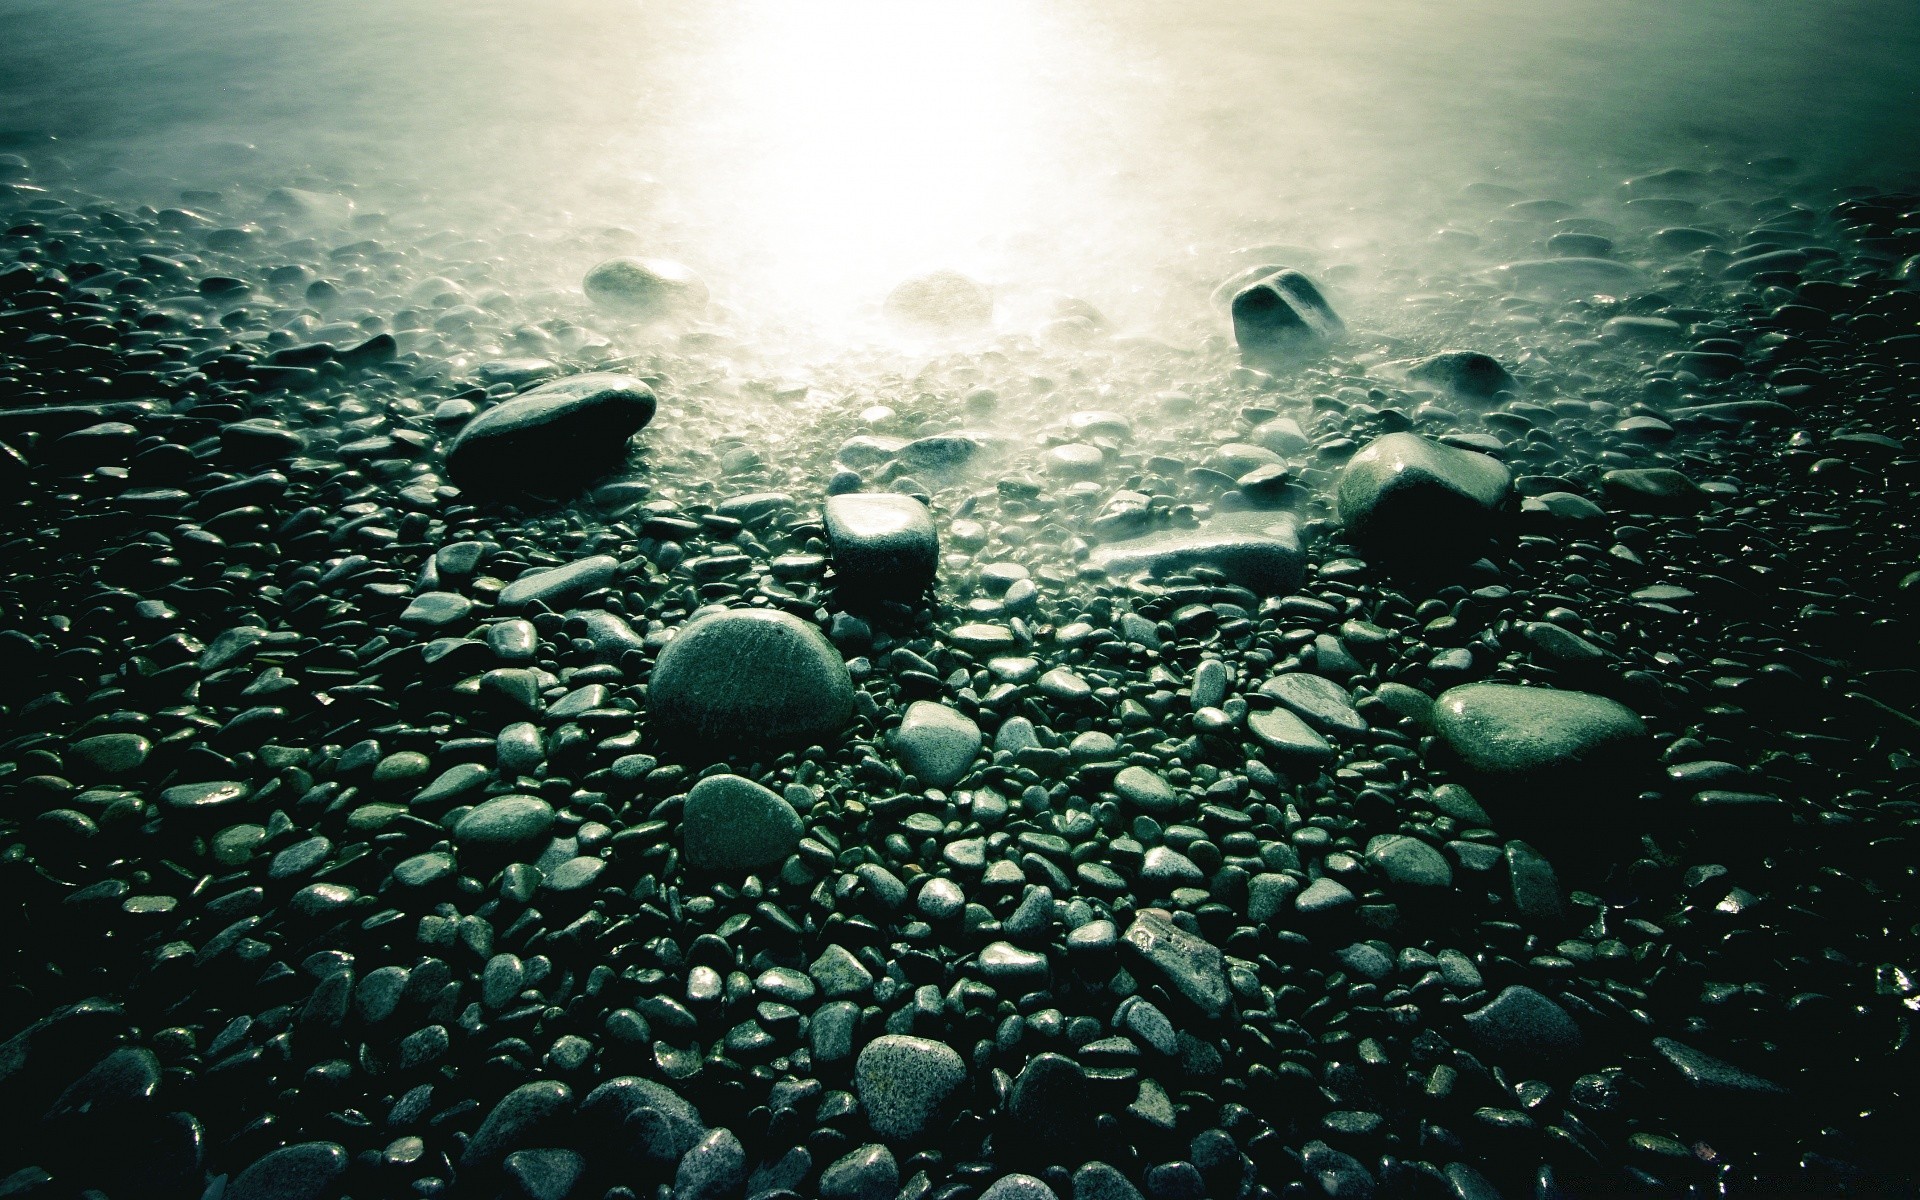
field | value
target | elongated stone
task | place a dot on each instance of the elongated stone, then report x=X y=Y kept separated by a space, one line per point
x=1259 y=551
x=553 y=440
x=1536 y=734
x=1194 y=966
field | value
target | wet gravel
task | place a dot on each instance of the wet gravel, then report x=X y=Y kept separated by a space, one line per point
x=1189 y=835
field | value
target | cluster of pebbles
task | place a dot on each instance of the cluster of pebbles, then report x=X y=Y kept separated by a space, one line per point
x=1459 y=742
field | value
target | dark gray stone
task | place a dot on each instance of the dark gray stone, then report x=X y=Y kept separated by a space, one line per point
x=1413 y=498
x=1194 y=966
x=1282 y=317
x=905 y=1083
x=1521 y=1024
x=749 y=677
x=882 y=542
x=734 y=824
x=553 y=440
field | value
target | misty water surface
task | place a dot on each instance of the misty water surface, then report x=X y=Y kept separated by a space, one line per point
x=807 y=157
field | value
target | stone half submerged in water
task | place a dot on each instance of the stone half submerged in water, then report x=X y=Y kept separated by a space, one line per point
x=941 y=300
x=644 y=288
x=1466 y=373
x=1282 y=316
x=1259 y=551
x=1570 y=277
x=553 y=440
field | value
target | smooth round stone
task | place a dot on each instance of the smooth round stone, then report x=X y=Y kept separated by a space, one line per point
x=451 y=784
x=1100 y=1181
x=317 y=899
x=1099 y=423
x=504 y=821
x=574 y=874
x=1076 y=461
x=936 y=743
x=1466 y=373
x=1282 y=435
x=996 y=578
x=423 y=870
x=749 y=676
x=1651 y=329
x=305 y=1171
x=1645 y=429
x=1520 y=1023
x=1266 y=483
x=402 y=766
x=1239 y=458
x=715 y=1169
x=905 y=1082
x=940 y=899
x=882 y=541
x=1652 y=490
x=734 y=824
x=644 y=288
x=1325 y=894
x=201 y=797
x=675 y=1128
x=516 y=371
x=1062 y=683
x=436 y=610
x=1279 y=316
x=1093 y=746
x=112 y=753
x=1537 y=734
x=235 y=844
x=1019 y=1187
x=127 y=1076
x=1562 y=508
x=983 y=640
x=530 y=1111
x=1322 y=702
x=558 y=586
x=545 y=1174
x=943 y=300
x=1415 y=498
x=1410 y=862
x=553 y=440
x=1289 y=739
x=1146 y=790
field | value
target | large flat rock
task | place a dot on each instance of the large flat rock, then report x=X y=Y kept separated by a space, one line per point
x=1259 y=551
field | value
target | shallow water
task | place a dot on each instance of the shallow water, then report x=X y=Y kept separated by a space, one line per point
x=807 y=158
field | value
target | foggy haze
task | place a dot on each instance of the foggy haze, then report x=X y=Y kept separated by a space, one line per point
x=808 y=157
